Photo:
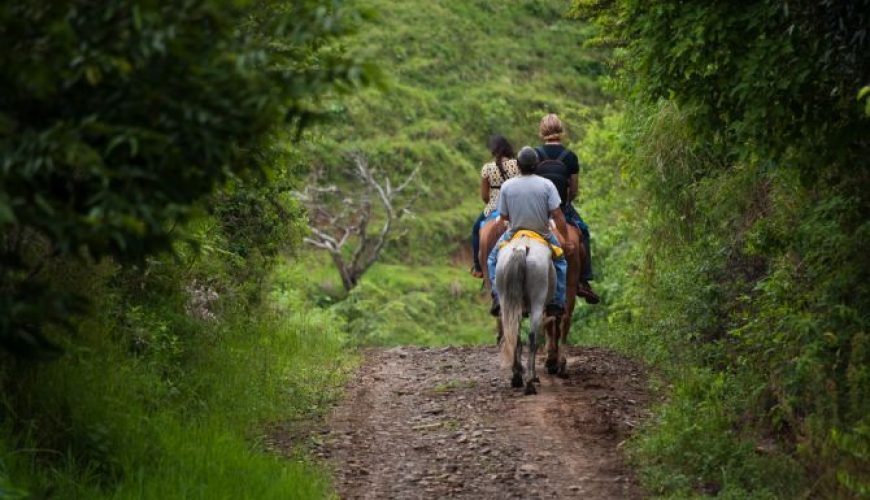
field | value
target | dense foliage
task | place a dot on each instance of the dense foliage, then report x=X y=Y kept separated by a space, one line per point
x=174 y=378
x=145 y=167
x=116 y=117
x=144 y=186
x=743 y=163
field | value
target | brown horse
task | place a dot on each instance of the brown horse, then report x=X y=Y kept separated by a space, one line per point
x=557 y=333
x=489 y=235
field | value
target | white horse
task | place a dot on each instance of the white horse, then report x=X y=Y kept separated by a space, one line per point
x=525 y=279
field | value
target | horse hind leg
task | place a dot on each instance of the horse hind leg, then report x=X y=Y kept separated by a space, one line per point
x=563 y=344
x=562 y=368
x=552 y=348
x=535 y=321
x=559 y=364
x=517 y=379
x=575 y=270
x=555 y=349
x=562 y=371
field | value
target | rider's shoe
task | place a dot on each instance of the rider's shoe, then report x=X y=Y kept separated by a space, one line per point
x=554 y=309
x=495 y=309
x=585 y=290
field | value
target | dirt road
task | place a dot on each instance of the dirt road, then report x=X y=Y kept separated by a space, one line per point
x=434 y=423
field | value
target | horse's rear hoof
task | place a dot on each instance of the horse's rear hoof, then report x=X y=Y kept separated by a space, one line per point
x=530 y=389
x=552 y=368
x=563 y=369
x=517 y=381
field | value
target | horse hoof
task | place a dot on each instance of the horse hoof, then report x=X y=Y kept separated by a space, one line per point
x=517 y=381
x=530 y=389
x=551 y=363
x=563 y=369
x=552 y=368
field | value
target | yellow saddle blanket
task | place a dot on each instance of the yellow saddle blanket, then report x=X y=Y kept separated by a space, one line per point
x=557 y=250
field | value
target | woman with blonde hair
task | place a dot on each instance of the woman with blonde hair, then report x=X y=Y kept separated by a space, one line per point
x=561 y=166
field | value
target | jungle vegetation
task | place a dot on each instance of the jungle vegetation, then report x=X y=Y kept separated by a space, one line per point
x=161 y=311
x=736 y=258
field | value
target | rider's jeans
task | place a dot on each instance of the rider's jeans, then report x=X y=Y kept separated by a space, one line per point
x=561 y=265
x=475 y=241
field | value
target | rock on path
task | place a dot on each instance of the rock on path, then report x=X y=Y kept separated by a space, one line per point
x=434 y=423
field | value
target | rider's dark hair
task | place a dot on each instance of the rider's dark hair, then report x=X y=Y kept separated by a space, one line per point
x=527 y=160
x=500 y=148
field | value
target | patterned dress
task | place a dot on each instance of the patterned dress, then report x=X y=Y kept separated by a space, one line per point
x=491 y=173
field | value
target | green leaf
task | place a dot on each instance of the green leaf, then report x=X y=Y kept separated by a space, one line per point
x=7 y=215
x=864 y=93
x=93 y=75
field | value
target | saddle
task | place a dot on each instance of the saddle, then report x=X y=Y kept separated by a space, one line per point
x=557 y=250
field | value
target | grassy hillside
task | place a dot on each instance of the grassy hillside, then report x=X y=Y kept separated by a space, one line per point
x=456 y=72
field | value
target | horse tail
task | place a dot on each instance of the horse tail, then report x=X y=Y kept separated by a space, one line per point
x=511 y=294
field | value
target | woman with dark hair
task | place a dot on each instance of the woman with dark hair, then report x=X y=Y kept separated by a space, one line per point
x=493 y=174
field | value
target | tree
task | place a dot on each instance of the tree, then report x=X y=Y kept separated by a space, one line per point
x=116 y=117
x=338 y=219
x=759 y=103
x=768 y=77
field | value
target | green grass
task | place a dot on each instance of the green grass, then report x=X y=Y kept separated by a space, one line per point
x=397 y=304
x=691 y=446
x=150 y=403
x=201 y=460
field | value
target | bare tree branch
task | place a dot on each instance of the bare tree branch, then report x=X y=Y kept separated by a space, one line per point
x=334 y=225
x=318 y=244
